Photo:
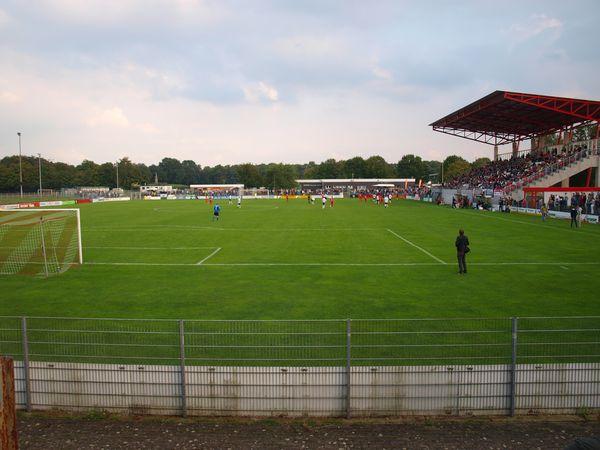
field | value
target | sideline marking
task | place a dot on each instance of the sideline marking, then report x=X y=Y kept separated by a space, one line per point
x=209 y=256
x=417 y=247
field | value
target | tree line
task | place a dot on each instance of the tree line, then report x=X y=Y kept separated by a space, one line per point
x=131 y=175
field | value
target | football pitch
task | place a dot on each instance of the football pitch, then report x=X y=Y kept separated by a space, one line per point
x=273 y=259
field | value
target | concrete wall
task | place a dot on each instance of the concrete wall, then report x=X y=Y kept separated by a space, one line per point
x=311 y=391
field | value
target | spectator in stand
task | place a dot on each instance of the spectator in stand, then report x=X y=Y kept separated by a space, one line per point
x=500 y=174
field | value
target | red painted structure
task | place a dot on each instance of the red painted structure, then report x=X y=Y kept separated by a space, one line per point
x=534 y=190
x=503 y=117
x=531 y=194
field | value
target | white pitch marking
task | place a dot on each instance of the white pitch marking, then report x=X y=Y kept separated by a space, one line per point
x=152 y=248
x=560 y=264
x=417 y=247
x=260 y=264
x=259 y=230
x=209 y=256
x=563 y=267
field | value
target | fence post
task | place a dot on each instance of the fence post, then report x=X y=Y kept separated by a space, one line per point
x=513 y=366
x=182 y=368
x=348 y=364
x=26 y=363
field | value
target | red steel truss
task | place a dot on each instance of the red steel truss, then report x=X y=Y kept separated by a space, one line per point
x=503 y=117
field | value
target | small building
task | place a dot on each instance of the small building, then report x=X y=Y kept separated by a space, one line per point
x=155 y=189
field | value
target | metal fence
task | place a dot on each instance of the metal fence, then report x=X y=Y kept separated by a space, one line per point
x=314 y=367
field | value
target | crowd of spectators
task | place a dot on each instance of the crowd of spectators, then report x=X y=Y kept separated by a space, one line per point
x=590 y=203
x=502 y=174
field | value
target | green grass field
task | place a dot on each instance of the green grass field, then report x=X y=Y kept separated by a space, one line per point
x=277 y=260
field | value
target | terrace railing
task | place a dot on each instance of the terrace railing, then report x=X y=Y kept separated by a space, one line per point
x=314 y=367
x=549 y=169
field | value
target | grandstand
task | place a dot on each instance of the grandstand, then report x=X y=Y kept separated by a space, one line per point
x=510 y=118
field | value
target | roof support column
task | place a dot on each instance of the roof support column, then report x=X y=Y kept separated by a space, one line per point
x=495 y=153
x=515 y=148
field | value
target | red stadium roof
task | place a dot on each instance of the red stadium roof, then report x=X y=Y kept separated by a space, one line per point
x=502 y=117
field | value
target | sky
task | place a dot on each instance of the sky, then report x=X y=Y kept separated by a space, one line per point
x=290 y=81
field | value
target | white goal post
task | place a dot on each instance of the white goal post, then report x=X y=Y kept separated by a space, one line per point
x=39 y=241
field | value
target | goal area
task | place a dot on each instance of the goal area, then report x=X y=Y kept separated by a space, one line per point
x=41 y=242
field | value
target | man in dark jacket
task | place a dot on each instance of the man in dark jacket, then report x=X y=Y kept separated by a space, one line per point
x=462 y=247
x=573 y=216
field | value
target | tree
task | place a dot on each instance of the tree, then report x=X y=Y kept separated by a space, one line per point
x=310 y=171
x=249 y=176
x=328 y=169
x=377 y=167
x=107 y=175
x=433 y=170
x=132 y=176
x=455 y=166
x=480 y=162
x=584 y=133
x=281 y=176
x=411 y=166
x=170 y=171
x=55 y=176
x=9 y=174
x=354 y=167
x=190 y=172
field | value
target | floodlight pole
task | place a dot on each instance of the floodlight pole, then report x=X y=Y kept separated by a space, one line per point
x=20 y=166
x=442 y=173
x=40 y=171
x=117 y=165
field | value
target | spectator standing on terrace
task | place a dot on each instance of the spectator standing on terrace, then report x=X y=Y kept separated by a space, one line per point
x=462 y=248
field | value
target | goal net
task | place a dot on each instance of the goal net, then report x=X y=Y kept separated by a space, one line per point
x=39 y=241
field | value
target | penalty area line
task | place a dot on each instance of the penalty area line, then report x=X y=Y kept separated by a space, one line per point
x=148 y=248
x=431 y=264
x=209 y=256
x=417 y=247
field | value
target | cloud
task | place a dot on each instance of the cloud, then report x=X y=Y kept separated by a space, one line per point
x=260 y=91
x=5 y=19
x=537 y=24
x=160 y=13
x=147 y=128
x=9 y=97
x=113 y=117
x=384 y=74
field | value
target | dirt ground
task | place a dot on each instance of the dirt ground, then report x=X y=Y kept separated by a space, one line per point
x=101 y=432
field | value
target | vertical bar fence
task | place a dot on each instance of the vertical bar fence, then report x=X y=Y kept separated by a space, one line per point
x=335 y=368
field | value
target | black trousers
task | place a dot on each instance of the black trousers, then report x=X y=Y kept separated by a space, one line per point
x=462 y=262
